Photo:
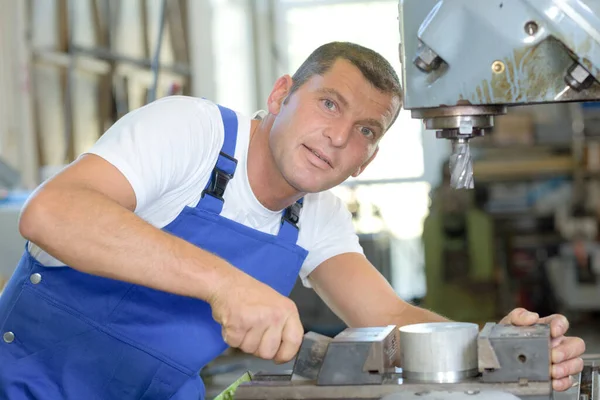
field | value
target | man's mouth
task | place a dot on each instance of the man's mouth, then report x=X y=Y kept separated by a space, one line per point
x=319 y=156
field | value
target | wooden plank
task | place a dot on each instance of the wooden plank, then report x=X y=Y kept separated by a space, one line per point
x=29 y=143
x=35 y=100
x=144 y=27
x=64 y=45
x=177 y=31
x=183 y=11
x=101 y=16
x=489 y=170
x=99 y=21
x=82 y=63
x=97 y=66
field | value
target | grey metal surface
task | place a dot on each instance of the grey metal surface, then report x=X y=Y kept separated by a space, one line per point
x=360 y=356
x=447 y=395
x=439 y=352
x=308 y=390
x=498 y=52
x=310 y=356
x=461 y=165
x=517 y=353
x=589 y=380
x=523 y=353
x=439 y=377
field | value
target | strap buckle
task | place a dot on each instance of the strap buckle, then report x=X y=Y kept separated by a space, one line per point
x=218 y=181
x=292 y=214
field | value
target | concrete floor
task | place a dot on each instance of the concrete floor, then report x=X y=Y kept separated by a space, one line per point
x=233 y=365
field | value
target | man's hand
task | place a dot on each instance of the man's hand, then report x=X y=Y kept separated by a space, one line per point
x=257 y=319
x=566 y=351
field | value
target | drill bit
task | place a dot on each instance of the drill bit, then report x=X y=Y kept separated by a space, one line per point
x=461 y=166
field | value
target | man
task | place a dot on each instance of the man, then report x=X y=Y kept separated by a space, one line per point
x=166 y=259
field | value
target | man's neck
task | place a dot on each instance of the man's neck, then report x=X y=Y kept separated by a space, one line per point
x=266 y=181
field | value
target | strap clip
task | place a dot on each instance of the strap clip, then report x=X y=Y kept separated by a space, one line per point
x=292 y=214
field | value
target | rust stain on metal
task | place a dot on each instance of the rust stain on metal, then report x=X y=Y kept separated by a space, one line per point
x=486 y=91
x=479 y=94
x=534 y=74
x=463 y=102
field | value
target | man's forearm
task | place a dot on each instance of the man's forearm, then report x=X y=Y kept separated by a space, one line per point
x=411 y=314
x=91 y=233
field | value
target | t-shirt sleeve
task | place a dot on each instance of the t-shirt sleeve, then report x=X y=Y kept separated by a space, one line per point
x=159 y=146
x=331 y=232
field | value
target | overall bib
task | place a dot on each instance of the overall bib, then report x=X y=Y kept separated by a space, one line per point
x=71 y=335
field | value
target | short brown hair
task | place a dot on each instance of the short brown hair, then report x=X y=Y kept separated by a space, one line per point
x=374 y=67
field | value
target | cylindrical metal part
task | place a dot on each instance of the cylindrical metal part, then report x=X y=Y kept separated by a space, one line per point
x=461 y=165
x=440 y=352
x=473 y=123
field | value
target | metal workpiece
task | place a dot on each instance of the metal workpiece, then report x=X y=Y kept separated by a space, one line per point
x=439 y=352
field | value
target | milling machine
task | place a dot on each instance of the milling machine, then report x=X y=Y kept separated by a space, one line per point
x=463 y=62
x=466 y=61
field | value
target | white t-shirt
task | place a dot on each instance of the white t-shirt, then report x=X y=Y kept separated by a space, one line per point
x=167 y=150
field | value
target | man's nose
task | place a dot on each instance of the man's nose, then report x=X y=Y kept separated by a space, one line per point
x=338 y=135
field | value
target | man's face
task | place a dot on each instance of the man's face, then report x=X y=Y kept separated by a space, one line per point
x=329 y=129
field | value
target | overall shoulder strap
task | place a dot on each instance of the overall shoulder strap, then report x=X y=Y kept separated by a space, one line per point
x=289 y=222
x=212 y=195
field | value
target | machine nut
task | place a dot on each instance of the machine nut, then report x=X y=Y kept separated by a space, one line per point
x=531 y=28
x=498 y=67
x=578 y=78
x=426 y=59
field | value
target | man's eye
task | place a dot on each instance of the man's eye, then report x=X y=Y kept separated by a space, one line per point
x=367 y=132
x=329 y=104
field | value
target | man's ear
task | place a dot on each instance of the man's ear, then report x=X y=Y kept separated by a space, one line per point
x=280 y=90
x=362 y=167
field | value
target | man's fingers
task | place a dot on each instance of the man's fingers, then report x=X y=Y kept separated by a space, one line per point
x=567 y=368
x=571 y=347
x=559 y=324
x=560 y=385
x=556 y=341
x=269 y=344
x=252 y=339
x=520 y=316
x=232 y=337
x=291 y=340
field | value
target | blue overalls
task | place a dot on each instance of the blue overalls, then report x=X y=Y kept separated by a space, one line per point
x=71 y=335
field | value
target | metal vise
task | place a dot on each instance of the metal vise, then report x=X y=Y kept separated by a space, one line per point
x=360 y=363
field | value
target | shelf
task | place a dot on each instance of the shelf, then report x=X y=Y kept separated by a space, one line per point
x=492 y=170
